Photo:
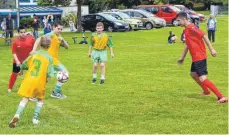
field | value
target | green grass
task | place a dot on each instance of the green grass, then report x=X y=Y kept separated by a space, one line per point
x=145 y=90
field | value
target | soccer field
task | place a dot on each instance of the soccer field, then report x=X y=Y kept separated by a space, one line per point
x=145 y=90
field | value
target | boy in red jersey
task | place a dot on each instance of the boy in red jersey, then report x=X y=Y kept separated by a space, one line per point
x=21 y=48
x=195 y=39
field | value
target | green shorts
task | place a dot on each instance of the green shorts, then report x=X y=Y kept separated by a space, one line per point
x=60 y=67
x=99 y=56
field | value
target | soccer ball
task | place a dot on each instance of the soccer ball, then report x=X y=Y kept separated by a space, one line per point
x=62 y=76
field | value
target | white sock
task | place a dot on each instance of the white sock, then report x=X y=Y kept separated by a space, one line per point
x=102 y=77
x=94 y=75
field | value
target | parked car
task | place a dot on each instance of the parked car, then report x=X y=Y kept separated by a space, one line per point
x=190 y=12
x=167 y=12
x=149 y=20
x=135 y=24
x=111 y=24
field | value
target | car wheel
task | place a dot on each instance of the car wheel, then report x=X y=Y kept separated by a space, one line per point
x=174 y=22
x=130 y=28
x=110 y=29
x=149 y=26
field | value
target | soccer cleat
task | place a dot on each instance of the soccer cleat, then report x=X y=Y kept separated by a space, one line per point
x=9 y=90
x=58 y=95
x=102 y=81
x=13 y=122
x=222 y=100
x=35 y=121
x=93 y=81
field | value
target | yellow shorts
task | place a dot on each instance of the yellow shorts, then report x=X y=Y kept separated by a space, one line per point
x=30 y=90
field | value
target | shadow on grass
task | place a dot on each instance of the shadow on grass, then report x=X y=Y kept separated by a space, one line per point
x=208 y=98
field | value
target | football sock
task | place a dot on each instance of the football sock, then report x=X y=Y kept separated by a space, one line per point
x=212 y=87
x=37 y=110
x=102 y=77
x=58 y=86
x=94 y=76
x=21 y=107
x=13 y=78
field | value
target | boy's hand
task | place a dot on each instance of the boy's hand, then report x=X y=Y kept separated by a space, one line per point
x=180 y=61
x=60 y=38
x=213 y=52
x=89 y=55
x=20 y=73
x=112 y=55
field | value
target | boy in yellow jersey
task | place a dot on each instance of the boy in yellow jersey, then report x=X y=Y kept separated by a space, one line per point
x=97 y=51
x=56 y=42
x=40 y=67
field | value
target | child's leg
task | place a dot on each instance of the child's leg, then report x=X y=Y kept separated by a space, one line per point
x=196 y=78
x=19 y=111
x=37 y=111
x=102 y=71
x=94 y=70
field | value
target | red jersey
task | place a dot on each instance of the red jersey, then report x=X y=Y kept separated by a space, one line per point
x=195 y=43
x=22 y=47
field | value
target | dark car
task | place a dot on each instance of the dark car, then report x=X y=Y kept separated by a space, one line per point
x=110 y=23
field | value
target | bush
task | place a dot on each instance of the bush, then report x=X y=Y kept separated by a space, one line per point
x=26 y=22
x=65 y=20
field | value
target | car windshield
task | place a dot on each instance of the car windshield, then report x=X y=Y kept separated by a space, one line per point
x=109 y=17
x=175 y=8
x=123 y=15
x=147 y=14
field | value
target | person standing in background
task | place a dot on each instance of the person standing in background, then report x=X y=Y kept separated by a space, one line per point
x=9 y=28
x=211 y=27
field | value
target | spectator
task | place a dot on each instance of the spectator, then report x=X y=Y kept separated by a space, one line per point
x=50 y=19
x=3 y=26
x=35 y=26
x=71 y=24
x=44 y=22
x=9 y=28
x=172 y=38
x=211 y=27
x=47 y=28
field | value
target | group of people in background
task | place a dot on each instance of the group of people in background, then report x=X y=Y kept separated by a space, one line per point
x=211 y=28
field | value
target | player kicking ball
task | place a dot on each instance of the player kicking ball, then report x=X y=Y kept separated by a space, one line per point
x=99 y=42
x=195 y=39
x=40 y=68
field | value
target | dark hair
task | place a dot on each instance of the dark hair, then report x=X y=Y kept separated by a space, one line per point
x=183 y=15
x=56 y=25
x=21 y=28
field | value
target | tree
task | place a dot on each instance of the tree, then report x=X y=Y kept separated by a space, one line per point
x=79 y=4
x=53 y=2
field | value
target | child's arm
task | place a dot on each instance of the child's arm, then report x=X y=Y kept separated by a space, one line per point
x=90 y=46
x=181 y=60
x=212 y=50
x=110 y=45
x=63 y=43
x=36 y=44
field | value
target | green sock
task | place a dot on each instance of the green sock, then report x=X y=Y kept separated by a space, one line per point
x=58 y=86
x=37 y=110
x=20 y=108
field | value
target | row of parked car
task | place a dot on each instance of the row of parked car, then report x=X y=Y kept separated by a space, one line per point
x=141 y=17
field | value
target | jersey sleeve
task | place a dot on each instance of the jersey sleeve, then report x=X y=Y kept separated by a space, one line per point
x=14 y=47
x=50 y=71
x=197 y=32
x=110 y=43
x=24 y=65
x=91 y=41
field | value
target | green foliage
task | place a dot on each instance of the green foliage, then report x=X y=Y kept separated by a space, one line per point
x=65 y=20
x=54 y=3
x=26 y=22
